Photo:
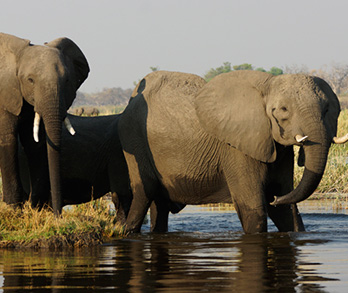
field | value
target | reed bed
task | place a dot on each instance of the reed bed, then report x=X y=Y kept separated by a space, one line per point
x=81 y=225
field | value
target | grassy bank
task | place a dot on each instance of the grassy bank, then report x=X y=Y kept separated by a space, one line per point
x=81 y=225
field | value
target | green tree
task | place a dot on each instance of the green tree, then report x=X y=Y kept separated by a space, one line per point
x=226 y=67
x=244 y=66
x=275 y=71
x=154 y=68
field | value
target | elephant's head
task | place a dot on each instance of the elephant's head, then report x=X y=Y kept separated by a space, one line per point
x=47 y=78
x=251 y=111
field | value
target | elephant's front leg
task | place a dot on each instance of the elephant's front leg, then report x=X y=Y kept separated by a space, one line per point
x=11 y=185
x=286 y=218
x=280 y=182
x=298 y=223
x=252 y=218
x=144 y=187
x=39 y=177
x=36 y=154
x=245 y=178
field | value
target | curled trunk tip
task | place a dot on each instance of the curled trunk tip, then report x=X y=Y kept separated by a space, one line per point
x=274 y=202
x=310 y=181
x=341 y=139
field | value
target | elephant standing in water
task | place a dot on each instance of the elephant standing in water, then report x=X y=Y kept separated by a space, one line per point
x=233 y=141
x=92 y=163
x=41 y=82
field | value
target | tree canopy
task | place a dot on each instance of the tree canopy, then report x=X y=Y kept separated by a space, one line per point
x=226 y=67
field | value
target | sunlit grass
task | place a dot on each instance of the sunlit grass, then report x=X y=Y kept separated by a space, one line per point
x=81 y=225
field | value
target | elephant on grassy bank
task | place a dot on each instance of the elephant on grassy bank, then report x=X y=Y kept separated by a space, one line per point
x=79 y=111
x=231 y=139
x=92 y=163
x=91 y=111
x=37 y=86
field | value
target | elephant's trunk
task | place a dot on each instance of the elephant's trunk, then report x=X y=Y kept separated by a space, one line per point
x=53 y=138
x=52 y=112
x=316 y=148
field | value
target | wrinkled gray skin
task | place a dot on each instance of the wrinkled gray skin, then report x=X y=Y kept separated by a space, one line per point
x=92 y=163
x=233 y=141
x=41 y=79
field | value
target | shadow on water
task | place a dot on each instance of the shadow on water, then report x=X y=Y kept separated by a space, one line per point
x=193 y=261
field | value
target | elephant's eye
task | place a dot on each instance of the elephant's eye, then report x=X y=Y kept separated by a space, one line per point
x=283 y=114
x=31 y=80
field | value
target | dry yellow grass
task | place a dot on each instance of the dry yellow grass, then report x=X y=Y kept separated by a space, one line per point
x=81 y=225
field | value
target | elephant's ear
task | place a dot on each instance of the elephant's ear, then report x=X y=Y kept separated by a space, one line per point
x=71 y=50
x=231 y=108
x=10 y=96
x=333 y=110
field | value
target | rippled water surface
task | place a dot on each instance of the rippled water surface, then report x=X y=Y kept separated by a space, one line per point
x=204 y=251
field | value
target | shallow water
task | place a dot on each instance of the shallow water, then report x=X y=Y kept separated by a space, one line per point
x=204 y=250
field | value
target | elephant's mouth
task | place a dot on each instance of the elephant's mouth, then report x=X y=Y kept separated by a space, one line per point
x=36 y=126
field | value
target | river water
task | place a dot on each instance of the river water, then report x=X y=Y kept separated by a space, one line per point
x=205 y=250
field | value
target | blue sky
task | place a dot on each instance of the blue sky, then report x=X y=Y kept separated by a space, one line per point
x=123 y=39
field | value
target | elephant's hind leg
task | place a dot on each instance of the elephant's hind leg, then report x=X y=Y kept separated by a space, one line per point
x=144 y=186
x=159 y=213
x=254 y=220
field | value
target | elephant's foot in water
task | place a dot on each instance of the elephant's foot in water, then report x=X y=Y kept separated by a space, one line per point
x=253 y=220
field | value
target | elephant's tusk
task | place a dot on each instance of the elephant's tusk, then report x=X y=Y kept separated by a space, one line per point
x=69 y=126
x=36 y=127
x=300 y=138
x=341 y=139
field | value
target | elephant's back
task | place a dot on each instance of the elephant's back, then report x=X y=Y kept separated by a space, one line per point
x=160 y=115
x=161 y=129
x=165 y=84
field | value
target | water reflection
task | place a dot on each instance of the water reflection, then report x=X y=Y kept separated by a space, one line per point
x=217 y=258
x=184 y=262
